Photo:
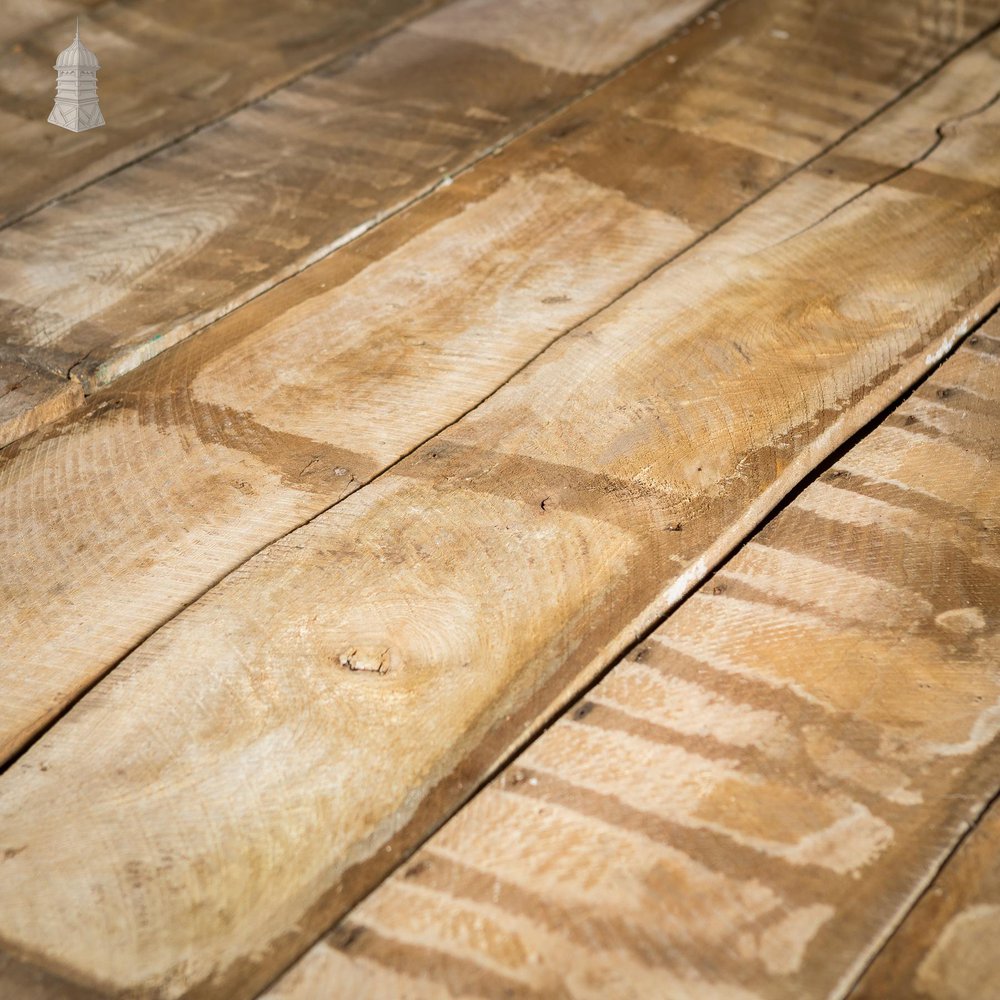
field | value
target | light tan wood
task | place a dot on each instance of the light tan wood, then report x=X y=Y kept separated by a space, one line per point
x=745 y=804
x=24 y=17
x=30 y=398
x=257 y=764
x=284 y=407
x=239 y=207
x=946 y=948
x=168 y=67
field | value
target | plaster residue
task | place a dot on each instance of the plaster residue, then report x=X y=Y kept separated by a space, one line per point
x=842 y=762
x=789 y=822
x=783 y=946
x=830 y=589
x=648 y=693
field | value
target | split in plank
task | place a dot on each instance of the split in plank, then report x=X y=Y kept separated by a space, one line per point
x=108 y=277
x=168 y=67
x=744 y=805
x=946 y=948
x=255 y=766
x=172 y=477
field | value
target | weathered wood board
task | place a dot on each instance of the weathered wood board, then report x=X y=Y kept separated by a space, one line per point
x=106 y=278
x=168 y=67
x=30 y=398
x=255 y=765
x=745 y=804
x=284 y=407
x=946 y=948
x=23 y=17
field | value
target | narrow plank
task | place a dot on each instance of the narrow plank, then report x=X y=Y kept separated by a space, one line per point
x=168 y=67
x=744 y=805
x=257 y=764
x=946 y=948
x=30 y=398
x=222 y=454
x=242 y=205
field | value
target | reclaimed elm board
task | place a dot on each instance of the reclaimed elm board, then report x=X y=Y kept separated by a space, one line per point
x=743 y=806
x=168 y=68
x=364 y=537
x=254 y=198
x=947 y=947
x=227 y=450
x=31 y=398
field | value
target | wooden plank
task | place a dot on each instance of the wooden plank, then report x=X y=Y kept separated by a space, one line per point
x=242 y=205
x=744 y=805
x=168 y=67
x=946 y=949
x=257 y=764
x=23 y=17
x=222 y=455
x=30 y=398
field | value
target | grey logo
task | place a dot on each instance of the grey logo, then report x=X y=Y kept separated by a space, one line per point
x=76 y=106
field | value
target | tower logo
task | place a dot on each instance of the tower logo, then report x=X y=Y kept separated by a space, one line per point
x=76 y=106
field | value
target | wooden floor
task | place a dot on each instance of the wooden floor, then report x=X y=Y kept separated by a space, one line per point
x=501 y=498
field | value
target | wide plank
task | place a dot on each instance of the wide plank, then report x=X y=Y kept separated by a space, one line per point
x=107 y=278
x=946 y=948
x=745 y=804
x=263 y=421
x=168 y=68
x=254 y=767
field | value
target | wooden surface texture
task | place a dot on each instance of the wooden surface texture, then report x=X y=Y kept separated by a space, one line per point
x=946 y=949
x=31 y=398
x=744 y=806
x=168 y=68
x=253 y=767
x=418 y=393
x=227 y=449
x=188 y=234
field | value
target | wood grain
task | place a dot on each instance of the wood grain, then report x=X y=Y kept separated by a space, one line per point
x=171 y=478
x=946 y=949
x=24 y=17
x=745 y=804
x=257 y=764
x=168 y=67
x=106 y=278
x=30 y=398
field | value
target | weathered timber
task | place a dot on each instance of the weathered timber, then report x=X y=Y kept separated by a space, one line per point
x=946 y=949
x=169 y=68
x=289 y=404
x=745 y=804
x=30 y=398
x=256 y=764
x=107 y=278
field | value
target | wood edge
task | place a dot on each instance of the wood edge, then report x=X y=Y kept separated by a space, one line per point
x=31 y=398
